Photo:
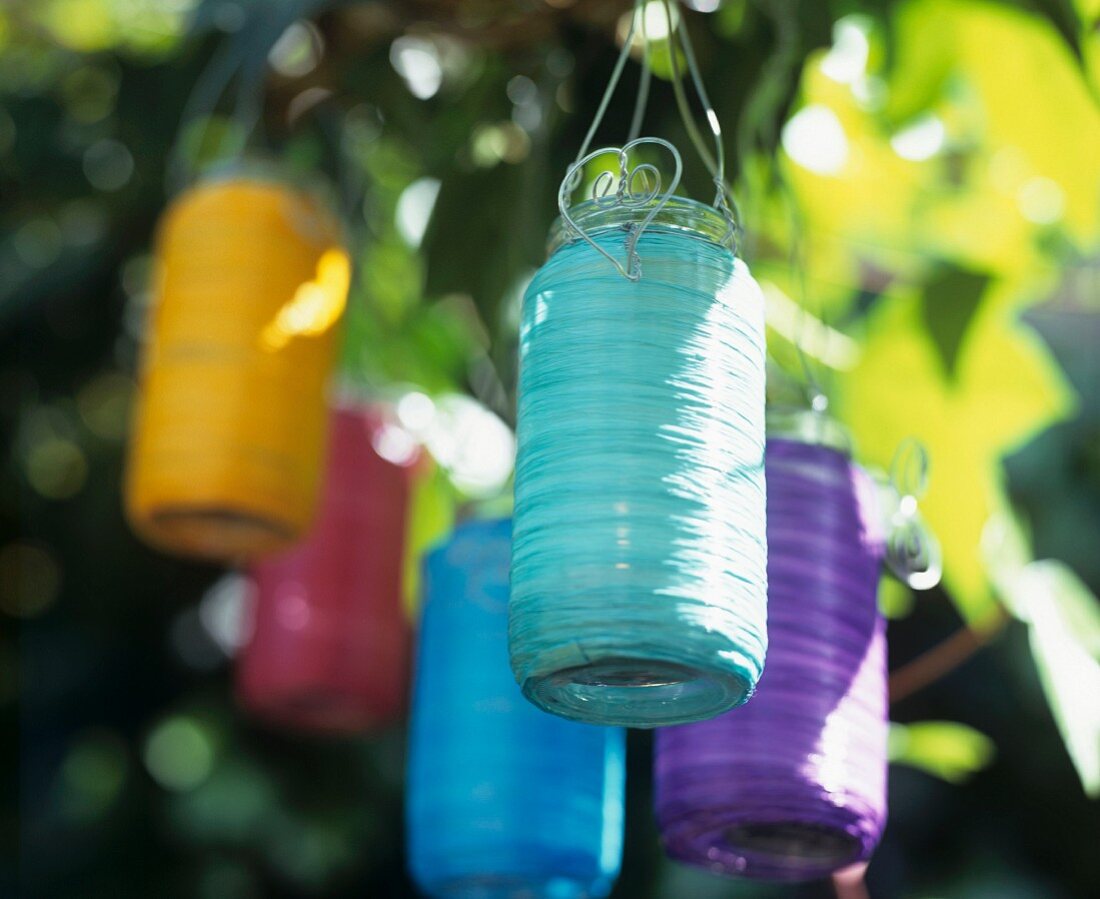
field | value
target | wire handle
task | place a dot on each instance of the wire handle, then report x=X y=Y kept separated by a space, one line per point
x=636 y=188
x=628 y=195
x=244 y=58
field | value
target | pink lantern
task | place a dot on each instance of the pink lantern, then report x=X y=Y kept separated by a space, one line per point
x=329 y=647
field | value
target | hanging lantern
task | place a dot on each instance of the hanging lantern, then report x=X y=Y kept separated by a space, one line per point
x=502 y=799
x=793 y=785
x=638 y=570
x=639 y=559
x=226 y=454
x=330 y=641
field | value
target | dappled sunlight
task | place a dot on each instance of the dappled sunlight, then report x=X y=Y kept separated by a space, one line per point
x=316 y=305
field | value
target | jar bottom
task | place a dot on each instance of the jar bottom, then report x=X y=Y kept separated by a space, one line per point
x=505 y=886
x=219 y=533
x=790 y=850
x=313 y=708
x=634 y=692
x=793 y=848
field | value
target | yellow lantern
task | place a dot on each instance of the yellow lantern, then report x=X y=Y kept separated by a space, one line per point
x=226 y=453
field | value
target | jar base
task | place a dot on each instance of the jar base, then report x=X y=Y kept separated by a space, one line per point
x=318 y=709
x=792 y=849
x=782 y=851
x=503 y=886
x=218 y=533
x=630 y=692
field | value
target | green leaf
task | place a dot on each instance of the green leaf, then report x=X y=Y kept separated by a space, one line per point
x=1006 y=388
x=479 y=241
x=895 y=599
x=945 y=749
x=730 y=17
x=431 y=515
x=950 y=300
x=922 y=58
x=1063 y=16
x=1064 y=619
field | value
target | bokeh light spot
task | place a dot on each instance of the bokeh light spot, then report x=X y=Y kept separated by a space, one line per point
x=82 y=25
x=108 y=165
x=104 y=405
x=298 y=51
x=500 y=142
x=30 y=579
x=92 y=774
x=921 y=140
x=38 y=242
x=56 y=468
x=846 y=60
x=179 y=753
x=414 y=209
x=1041 y=200
x=89 y=93
x=815 y=139
x=417 y=61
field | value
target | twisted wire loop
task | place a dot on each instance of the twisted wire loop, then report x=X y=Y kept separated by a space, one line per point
x=913 y=553
x=502 y=799
x=639 y=553
x=793 y=785
x=626 y=196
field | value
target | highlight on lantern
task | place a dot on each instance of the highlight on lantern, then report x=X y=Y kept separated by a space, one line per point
x=316 y=305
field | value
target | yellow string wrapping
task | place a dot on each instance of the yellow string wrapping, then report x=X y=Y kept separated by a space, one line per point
x=226 y=452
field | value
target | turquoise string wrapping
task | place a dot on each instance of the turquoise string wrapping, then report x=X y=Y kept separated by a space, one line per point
x=639 y=553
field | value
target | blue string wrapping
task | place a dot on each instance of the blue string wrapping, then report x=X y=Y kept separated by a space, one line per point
x=502 y=799
x=639 y=557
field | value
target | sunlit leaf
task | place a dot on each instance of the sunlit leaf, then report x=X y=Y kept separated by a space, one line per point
x=895 y=599
x=945 y=749
x=951 y=299
x=1064 y=619
x=1005 y=389
x=431 y=515
x=1007 y=156
x=859 y=196
x=1014 y=90
x=922 y=58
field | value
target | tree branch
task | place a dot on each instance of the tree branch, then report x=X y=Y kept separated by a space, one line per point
x=941 y=659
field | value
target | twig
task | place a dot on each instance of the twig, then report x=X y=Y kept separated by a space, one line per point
x=944 y=657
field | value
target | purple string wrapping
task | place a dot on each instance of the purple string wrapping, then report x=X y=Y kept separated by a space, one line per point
x=792 y=786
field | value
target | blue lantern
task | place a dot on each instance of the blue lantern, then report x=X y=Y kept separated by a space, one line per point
x=503 y=799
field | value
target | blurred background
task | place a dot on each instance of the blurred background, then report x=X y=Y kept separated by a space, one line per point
x=919 y=182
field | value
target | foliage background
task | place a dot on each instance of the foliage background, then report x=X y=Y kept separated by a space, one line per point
x=930 y=165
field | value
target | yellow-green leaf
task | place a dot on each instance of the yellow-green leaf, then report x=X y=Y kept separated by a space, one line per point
x=1005 y=388
x=946 y=749
x=430 y=516
x=1064 y=621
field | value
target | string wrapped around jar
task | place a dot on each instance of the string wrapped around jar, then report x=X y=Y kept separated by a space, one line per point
x=639 y=557
x=792 y=786
x=330 y=639
x=502 y=799
x=226 y=452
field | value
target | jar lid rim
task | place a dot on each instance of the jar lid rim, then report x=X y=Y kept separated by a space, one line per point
x=677 y=213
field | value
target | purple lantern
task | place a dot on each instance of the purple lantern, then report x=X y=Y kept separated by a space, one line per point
x=792 y=786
